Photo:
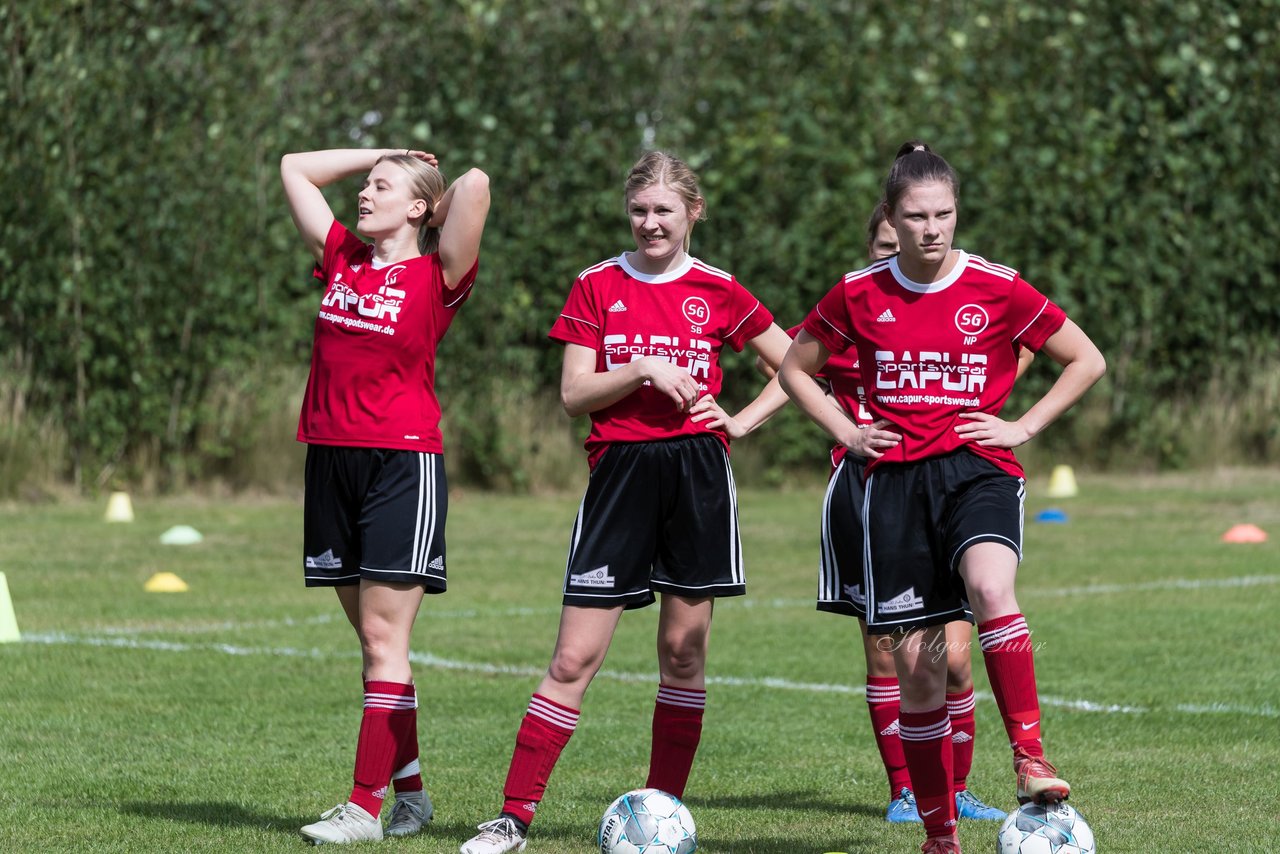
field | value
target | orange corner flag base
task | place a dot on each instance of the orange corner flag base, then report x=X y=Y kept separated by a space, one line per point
x=1244 y=534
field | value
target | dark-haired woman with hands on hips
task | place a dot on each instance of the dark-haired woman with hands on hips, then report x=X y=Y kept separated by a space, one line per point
x=938 y=331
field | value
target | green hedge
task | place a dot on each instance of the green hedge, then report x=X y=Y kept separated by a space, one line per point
x=1122 y=155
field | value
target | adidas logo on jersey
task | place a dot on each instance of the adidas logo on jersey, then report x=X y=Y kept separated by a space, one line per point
x=891 y=729
x=960 y=737
x=618 y=306
x=438 y=563
x=325 y=561
x=886 y=316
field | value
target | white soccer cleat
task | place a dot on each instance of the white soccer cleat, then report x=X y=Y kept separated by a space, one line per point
x=409 y=814
x=343 y=824
x=495 y=837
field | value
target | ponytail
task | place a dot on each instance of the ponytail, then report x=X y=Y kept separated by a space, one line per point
x=916 y=163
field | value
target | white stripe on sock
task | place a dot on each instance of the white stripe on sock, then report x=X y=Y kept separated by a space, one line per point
x=408 y=771
x=682 y=697
x=554 y=715
x=941 y=729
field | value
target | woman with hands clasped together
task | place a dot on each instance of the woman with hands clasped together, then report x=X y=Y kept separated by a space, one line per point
x=642 y=335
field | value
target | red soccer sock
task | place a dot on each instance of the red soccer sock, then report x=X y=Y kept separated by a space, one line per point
x=882 y=702
x=386 y=725
x=544 y=732
x=926 y=743
x=1011 y=669
x=677 y=729
x=408 y=774
x=960 y=710
x=408 y=778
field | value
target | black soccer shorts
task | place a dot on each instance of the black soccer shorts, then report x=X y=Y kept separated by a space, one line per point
x=918 y=519
x=657 y=517
x=841 y=589
x=374 y=513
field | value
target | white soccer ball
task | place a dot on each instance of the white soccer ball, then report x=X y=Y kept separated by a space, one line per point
x=647 y=821
x=1045 y=829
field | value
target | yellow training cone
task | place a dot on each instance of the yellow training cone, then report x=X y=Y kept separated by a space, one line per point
x=119 y=508
x=165 y=582
x=1062 y=483
x=8 y=620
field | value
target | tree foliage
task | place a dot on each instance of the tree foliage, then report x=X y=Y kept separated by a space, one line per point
x=1121 y=155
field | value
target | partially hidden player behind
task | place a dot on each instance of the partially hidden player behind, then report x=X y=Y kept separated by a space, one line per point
x=642 y=336
x=376 y=497
x=840 y=586
x=937 y=332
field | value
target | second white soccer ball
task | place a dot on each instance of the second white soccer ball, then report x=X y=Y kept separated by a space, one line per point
x=647 y=821
x=1045 y=829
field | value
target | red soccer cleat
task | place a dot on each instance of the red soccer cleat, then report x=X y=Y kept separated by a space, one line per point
x=1038 y=781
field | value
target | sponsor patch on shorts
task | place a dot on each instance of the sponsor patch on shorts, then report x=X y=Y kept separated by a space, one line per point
x=854 y=592
x=324 y=561
x=598 y=577
x=907 y=601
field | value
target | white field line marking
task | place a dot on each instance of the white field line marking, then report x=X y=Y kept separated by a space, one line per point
x=434 y=661
x=731 y=604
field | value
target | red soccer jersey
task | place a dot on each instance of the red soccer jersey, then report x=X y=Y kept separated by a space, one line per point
x=372 y=382
x=938 y=349
x=685 y=316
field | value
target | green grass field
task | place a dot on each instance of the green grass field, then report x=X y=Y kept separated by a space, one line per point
x=224 y=718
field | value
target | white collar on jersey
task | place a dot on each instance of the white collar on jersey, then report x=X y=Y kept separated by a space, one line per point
x=660 y=278
x=962 y=261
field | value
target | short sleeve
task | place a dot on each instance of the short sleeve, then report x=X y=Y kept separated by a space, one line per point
x=453 y=299
x=579 y=320
x=829 y=320
x=1032 y=316
x=340 y=245
x=748 y=317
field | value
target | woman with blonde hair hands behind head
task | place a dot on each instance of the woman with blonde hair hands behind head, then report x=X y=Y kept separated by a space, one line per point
x=642 y=335
x=376 y=498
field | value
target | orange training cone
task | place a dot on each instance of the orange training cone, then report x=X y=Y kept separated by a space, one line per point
x=1244 y=534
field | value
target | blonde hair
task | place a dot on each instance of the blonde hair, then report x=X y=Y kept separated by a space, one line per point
x=427 y=183
x=659 y=167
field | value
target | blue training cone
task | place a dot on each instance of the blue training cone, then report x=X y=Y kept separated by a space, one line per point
x=1052 y=516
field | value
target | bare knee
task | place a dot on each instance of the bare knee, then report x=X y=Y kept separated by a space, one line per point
x=571 y=665
x=879 y=653
x=682 y=655
x=990 y=598
x=959 y=672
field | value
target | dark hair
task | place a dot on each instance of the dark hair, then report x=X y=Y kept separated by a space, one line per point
x=873 y=223
x=915 y=164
